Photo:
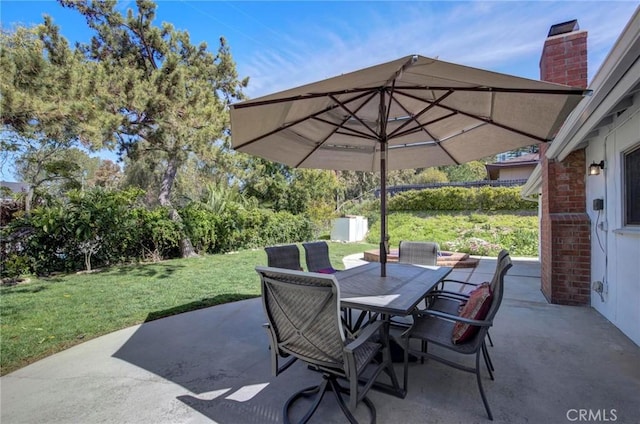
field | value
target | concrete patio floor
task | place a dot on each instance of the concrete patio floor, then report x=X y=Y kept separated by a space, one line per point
x=552 y=363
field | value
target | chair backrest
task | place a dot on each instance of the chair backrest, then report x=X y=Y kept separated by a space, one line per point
x=418 y=252
x=285 y=256
x=500 y=264
x=317 y=256
x=497 y=284
x=303 y=311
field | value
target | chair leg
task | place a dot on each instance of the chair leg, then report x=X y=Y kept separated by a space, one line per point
x=337 y=389
x=329 y=383
x=487 y=360
x=423 y=348
x=318 y=390
x=489 y=337
x=479 y=379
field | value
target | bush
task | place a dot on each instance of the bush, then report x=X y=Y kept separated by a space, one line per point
x=200 y=224
x=461 y=199
x=469 y=233
x=156 y=237
x=238 y=229
x=13 y=267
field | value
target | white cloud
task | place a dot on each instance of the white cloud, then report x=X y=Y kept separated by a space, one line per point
x=501 y=36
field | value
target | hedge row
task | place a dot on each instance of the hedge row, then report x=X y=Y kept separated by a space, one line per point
x=461 y=199
x=96 y=229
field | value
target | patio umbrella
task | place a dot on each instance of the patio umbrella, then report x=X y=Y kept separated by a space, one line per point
x=413 y=112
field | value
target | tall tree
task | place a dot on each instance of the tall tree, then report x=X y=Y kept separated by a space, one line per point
x=43 y=87
x=163 y=97
x=108 y=175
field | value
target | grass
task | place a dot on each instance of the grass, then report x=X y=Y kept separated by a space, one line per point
x=45 y=316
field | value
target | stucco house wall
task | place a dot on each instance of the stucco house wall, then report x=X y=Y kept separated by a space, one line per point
x=520 y=173
x=615 y=252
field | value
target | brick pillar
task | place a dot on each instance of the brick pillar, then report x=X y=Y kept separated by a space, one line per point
x=565 y=225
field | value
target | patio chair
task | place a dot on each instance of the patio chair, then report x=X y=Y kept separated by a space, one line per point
x=462 y=333
x=303 y=312
x=450 y=301
x=284 y=256
x=317 y=257
x=418 y=252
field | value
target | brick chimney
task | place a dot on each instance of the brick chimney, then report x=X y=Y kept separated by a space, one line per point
x=564 y=55
x=565 y=227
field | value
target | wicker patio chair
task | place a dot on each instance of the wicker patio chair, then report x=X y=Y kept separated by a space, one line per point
x=303 y=313
x=439 y=328
x=418 y=252
x=284 y=256
x=317 y=257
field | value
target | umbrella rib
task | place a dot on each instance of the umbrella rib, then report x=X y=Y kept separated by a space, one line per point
x=348 y=131
x=480 y=118
x=497 y=124
x=422 y=127
x=354 y=114
x=296 y=122
x=415 y=117
x=337 y=127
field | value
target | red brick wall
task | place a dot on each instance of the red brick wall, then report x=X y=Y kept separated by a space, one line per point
x=564 y=59
x=565 y=225
x=565 y=231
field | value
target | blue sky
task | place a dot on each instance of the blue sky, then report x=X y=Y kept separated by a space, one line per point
x=283 y=44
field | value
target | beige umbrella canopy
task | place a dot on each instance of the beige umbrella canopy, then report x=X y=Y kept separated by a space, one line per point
x=413 y=112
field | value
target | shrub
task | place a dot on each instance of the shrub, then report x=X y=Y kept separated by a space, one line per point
x=461 y=199
x=475 y=234
x=200 y=225
x=238 y=228
x=156 y=237
x=13 y=267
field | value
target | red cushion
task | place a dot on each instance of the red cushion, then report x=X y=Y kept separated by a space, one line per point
x=476 y=308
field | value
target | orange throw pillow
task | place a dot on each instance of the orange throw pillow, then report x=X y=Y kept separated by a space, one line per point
x=476 y=308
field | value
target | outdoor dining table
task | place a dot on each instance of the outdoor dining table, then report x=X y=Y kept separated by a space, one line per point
x=397 y=294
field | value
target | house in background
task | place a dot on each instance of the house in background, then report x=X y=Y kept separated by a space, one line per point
x=518 y=168
x=588 y=180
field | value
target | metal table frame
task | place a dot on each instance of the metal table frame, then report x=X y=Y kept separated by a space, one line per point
x=397 y=294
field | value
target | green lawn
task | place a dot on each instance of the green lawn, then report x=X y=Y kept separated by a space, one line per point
x=44 y=316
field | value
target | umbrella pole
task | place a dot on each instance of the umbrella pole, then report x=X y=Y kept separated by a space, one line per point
x=384 y=238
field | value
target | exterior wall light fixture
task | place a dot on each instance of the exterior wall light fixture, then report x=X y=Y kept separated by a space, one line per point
x=594 y=168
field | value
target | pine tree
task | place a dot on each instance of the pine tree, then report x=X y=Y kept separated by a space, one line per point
x=159 y=95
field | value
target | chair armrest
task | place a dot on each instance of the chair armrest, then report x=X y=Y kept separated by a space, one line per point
x=448 y=295
x=466 y=283
x=444 y=315
x=364 y=336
